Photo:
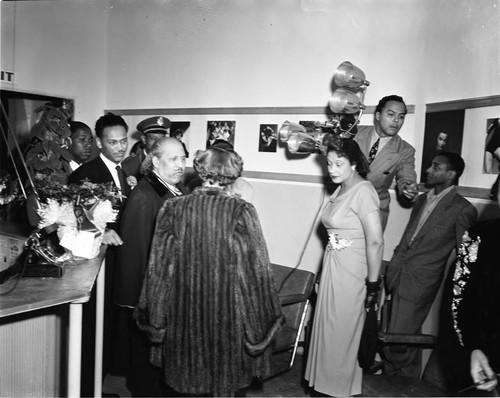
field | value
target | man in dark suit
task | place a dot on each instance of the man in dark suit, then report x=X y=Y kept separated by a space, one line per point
x=389 y=156
x=81 y=144
x=152 y=129
x=414 y=274
x=111 y=139
x=163 y=172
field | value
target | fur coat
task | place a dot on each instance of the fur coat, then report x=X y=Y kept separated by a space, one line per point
x=208 y=300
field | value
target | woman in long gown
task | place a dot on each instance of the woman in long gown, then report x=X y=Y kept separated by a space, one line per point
x=350 y=277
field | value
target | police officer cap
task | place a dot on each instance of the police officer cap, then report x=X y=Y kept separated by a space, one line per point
x=155 y=124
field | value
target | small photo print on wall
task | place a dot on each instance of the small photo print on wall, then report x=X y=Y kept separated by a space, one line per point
x=492 y=147
x=443 y=133
x=268 y=134
x=220 y=130
x=179 y=130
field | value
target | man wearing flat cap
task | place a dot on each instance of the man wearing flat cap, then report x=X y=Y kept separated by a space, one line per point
x=152 y=129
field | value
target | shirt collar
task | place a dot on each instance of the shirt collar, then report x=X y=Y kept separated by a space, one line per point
x=109 y=164
x=375 y=137
x=171 y=187
x=431 y=195
x=74 y=164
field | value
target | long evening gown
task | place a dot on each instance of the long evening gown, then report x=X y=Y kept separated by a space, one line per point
x=332 y=365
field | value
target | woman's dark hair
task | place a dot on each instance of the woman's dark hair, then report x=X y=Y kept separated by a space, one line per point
x=349 y=149
x=218 y=165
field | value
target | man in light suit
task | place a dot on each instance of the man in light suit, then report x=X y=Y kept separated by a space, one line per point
x=389 y=156
x=414 y=274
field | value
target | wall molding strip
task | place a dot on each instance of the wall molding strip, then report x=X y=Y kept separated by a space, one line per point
x=469 y=103
x=280 y=110
x=469 y=192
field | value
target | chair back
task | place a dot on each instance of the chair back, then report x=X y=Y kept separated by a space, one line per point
x=294 y=288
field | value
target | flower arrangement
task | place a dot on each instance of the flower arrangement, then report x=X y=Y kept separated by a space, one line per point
x=336 y=243
x=48 y=151
x=81 y=211
x=88 y=192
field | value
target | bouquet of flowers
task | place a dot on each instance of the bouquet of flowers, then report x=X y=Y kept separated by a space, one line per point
x=81 y=211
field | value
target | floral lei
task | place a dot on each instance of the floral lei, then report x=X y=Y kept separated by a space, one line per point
x=467 y=255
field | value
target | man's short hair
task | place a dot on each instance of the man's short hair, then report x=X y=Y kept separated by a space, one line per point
x=455 y=163
x=74 y=126
x=109 y=120
x=385 y=100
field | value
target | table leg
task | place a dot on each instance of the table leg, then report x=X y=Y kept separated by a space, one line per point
x=99 y=331
x=75 y=350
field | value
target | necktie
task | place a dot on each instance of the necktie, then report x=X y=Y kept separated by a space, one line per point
x=373 y=151
x=123 y=180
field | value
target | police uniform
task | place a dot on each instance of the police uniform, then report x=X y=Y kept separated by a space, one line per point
x=155 y=124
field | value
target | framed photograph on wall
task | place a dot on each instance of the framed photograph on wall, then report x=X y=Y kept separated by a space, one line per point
x=268 y=134
x=491 y=164
x=443 y=132
x=220 y=130
x=179 y=130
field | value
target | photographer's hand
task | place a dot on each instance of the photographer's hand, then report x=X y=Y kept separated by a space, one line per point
x=481 y=372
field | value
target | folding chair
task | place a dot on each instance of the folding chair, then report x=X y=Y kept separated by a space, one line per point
x=294 y=288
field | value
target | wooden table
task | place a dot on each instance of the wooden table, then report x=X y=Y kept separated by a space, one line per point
x=74 y=288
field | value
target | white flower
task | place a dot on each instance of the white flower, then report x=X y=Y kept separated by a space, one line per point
x=334 y=243
x=101 y=214
x=63 y=214
x=55 y=212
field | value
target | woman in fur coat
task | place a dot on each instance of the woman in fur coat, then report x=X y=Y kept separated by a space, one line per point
x=208 y=302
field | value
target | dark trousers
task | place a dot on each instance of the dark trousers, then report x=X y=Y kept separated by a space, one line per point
x=406 y=317
x=143 y=379
x=109 y=332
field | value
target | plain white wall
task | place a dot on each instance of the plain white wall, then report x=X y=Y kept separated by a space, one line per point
x=58 y=48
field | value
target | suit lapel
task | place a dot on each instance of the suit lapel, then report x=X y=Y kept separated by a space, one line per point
x=417 y=210
x=364 y=139
x=385 y=157
x=437 y=215
x=104 y=171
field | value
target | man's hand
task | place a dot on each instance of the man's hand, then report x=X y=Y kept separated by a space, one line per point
x=410 y=191
x=112 y=238
x=481 y=372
